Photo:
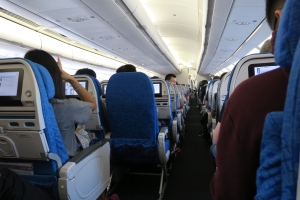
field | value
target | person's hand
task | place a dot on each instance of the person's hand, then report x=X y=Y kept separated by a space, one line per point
x=64 y=75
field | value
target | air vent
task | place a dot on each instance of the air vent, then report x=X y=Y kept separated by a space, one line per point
x=17 y=18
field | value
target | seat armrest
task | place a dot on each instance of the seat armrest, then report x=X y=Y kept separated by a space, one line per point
x=87 y=151
x=162 y=151
x=87 y=174
x=175 y=135
x=108 y=135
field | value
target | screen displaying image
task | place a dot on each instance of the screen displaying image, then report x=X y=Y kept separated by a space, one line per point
x=104 y=89
x=156 y=88
x=69 y=90
x=9 y=83
x=263 y=69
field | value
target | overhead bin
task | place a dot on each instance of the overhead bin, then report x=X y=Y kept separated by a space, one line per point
x=101 y=60
x=108 y=9
x=19 y=34
x=82 y=55
x=131 y=4
x=54 y=46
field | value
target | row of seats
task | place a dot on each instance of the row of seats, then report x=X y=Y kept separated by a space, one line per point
x=248 y=66
x=30 y=134
x=140 y=117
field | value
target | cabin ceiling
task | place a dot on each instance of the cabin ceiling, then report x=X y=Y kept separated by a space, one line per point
x=163 y=36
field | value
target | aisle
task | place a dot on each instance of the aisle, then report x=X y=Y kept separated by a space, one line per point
x=192 y=171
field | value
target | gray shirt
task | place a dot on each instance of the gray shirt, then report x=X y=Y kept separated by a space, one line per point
x=68 y=112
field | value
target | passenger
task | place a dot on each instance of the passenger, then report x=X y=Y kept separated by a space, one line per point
x=242 y=124
x=214 y=100
x=15 y=187
x=277 y=174
x=266 y=47
x=203 y=90
x=86 y=71
x=68 y=112
x=172 y=79
x=126 y=68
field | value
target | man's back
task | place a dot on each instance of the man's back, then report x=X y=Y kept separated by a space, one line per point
x=241 y=131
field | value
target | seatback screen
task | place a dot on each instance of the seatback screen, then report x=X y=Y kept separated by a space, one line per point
x=104 y=89
x=11 y=81
x=263 y=69
x=157 y=89
x=70 y=91
x=257 y=69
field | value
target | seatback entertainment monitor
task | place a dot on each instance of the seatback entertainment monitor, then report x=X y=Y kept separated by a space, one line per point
x=257 y=69
x=11 y=81
x=157 y=89
x=70 y=91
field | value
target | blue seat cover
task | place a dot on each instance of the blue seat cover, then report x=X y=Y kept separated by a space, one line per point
x=133 y=119
x=286 y=48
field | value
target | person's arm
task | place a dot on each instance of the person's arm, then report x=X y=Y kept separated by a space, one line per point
x=81 y=91
x=216 y=133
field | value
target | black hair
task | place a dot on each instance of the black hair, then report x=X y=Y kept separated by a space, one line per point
x=45 y=59
x=126 y=68
x=86 y=71
x=204 y=82
x=271 y=7
x=222 y=75
x=169 y=76
x=153 y=77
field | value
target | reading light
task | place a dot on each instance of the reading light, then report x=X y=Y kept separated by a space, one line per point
x=78 y=19
x=242 y=23
x=231 y=39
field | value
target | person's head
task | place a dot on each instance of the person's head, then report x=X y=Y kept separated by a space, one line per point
x=273 y=12
x=86 y=71
x=45 y=59
x=126 y=68
x=154 y=77
x=266 y=47
x=171 y=78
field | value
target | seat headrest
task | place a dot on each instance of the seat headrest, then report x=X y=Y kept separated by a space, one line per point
x=288 y=34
